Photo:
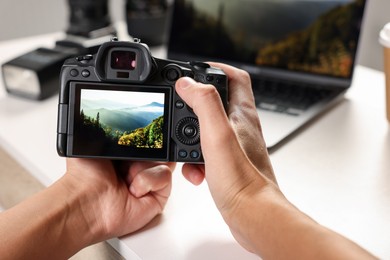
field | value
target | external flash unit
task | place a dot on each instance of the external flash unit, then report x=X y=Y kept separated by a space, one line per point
x=34 y=75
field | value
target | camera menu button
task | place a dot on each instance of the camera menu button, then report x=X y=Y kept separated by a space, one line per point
x=179 y=104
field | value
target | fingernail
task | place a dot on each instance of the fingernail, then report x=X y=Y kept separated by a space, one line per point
x=185 y=82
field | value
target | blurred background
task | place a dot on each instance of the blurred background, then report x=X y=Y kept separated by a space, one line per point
x=23 y=18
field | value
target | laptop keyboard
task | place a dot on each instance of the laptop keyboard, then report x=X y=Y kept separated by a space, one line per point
x=288 y=98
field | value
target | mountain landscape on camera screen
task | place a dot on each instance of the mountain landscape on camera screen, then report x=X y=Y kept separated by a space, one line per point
x=122 y=117
x=139 y=126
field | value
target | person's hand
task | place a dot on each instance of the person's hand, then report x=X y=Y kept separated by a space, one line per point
x=240 y=177
x=242 y=118
x=241 y=121
x=94 y=201
x=123 y=196
x=237 y=166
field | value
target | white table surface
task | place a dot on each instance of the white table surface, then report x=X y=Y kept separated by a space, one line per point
x=337 y=170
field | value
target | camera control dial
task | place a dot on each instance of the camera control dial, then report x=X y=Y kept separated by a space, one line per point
x=187 y=131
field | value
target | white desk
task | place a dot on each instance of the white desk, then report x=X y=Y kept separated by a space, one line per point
x=337 y=170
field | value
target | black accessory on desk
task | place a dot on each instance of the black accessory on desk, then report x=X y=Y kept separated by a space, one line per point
x=34 y=75
x=148 y=20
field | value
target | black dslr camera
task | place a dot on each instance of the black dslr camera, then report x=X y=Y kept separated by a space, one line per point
x=121 y=104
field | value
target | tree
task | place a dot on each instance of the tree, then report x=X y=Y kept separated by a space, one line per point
x=97 y=119
x=82 y=116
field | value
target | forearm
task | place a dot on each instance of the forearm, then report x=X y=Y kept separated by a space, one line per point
x=275 y=229
x=49 y=225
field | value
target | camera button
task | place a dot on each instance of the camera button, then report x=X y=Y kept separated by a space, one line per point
x=194 y=154
x=179 y=104
x=85 y=73
x=172 y=74
x=209 y=78
x=187 y=131
x=200 y=78
x=85 y=57
x=183 y=153
x=189 y=74
x=199 y=65
x=74 y=73
x=190 y=131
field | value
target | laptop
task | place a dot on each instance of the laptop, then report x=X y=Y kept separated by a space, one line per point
x=300 y=54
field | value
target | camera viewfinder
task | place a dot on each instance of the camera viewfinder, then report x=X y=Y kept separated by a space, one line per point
x=123 y=60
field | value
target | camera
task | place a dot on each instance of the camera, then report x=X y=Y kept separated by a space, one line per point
x=89 y=18
x=148 y=20
x=121 y=103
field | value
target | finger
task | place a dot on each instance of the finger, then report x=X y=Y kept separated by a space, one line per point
x=242 y=107
x=240 y=86
x=194 y=173
x=138 y=166
x=132 y=168
x=207 y=105
x=157 y=178
x=216 y=131
x=244 y=118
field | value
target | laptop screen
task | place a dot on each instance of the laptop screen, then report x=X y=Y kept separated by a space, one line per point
x=317 y=37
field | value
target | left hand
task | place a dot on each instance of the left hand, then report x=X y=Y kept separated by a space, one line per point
x=119 y=198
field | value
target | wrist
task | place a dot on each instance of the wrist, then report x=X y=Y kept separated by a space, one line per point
x=253 y=219
x=81 y=211
x=56 y=216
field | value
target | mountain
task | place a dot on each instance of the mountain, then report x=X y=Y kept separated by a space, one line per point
x=156 y=104
x=263 y=18
x=126 y=119
x=102 y=103
x=150 y=136
x=325 y=47
x=152 y=107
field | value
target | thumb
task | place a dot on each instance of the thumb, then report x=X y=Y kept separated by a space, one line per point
x=207 y=105
x=221 y=149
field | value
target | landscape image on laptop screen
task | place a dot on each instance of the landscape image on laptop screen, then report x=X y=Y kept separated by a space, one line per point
x=317 y=36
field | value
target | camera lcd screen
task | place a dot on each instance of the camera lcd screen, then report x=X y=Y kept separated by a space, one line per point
x=119 y=121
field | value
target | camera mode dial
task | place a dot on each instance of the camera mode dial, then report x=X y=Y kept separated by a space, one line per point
x=187 y=131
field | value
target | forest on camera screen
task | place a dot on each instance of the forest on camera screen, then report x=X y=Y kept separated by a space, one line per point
x=316 y=36
x=121 y=118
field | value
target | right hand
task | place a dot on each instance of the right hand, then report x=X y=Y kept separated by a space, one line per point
x=237 y=165
x=241 y=180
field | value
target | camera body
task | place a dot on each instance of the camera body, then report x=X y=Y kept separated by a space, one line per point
x=121 y=103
